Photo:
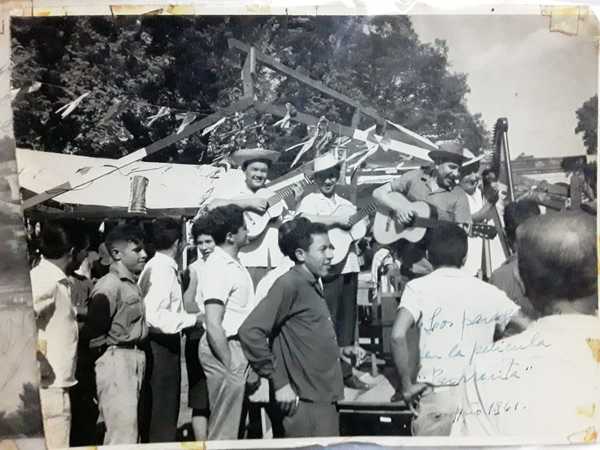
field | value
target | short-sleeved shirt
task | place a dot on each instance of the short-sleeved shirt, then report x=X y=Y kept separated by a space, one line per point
x=317 y=204
x=261 y=252
x=542 y=383
x=418 y=185
x=124 y=297
x=230 y=285
x=57 y=325
x=457 y=314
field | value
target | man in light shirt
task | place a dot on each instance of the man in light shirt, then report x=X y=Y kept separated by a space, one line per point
x=57 y=333
x=163 y=302
x=455 y=314
x=341 y=285
x=250 y=194
x=544 y=383
x=228 y=300
x=193 y=302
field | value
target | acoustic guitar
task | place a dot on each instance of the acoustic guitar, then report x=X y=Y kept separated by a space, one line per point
x=257 y=223
x=342 y=239
x=388 y=229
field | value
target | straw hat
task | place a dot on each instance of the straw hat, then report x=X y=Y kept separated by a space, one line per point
x=449 y=151
x=326 y=162
x=246 y=155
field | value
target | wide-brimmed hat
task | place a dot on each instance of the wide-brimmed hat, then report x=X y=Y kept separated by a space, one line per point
x=449 y=151
x=246 y=155
x=326 y=162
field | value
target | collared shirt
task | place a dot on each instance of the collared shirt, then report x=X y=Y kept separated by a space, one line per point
x=319 y=205
x=261 y=252
x=116 y=310
x=163 y=300
x=231 y=285
x=543 y=382
x=417 y=185
x=507 y=278
x=57 y=325
x=303 y=349
x=457 y=314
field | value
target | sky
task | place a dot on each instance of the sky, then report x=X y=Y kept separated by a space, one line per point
x=518 y=69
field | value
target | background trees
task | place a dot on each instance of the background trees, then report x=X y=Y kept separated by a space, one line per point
x=132 y=66
x=587 y=124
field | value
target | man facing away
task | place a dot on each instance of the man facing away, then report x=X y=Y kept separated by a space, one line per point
x=57 y=332
x=289 y=337
x=250 y=194
x=434 y=185
x=228 y=299
x=163 y=303
x=544 y=383
x=118 y=329
x=340 y=286
x=506 y=277
x=455 y=313
x=193 y=302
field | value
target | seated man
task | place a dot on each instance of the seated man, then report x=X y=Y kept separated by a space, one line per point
x=544 y=381
x=506 y=277
x=454 y=313
x=290 y=339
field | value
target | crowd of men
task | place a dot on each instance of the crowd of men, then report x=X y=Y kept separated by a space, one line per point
x=275 y=309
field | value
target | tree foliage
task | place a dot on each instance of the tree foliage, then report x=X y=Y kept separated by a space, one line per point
x=184 y=63
x=587 y=123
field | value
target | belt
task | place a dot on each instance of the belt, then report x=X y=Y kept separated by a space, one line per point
x=235 y=337
x=126 y=345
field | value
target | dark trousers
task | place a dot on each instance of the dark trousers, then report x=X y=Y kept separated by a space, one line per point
x=84 y=410
x=340 y=293
x=161 y=390
x=312 y=419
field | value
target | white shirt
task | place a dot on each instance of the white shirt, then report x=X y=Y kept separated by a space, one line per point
x=262 y=252
x=548 y=384
x=57 y=325
x=163 y=301
x=382 y=258
x=317 y=204
x=457 y=314
x=199 y=268
x=230 y=284
x=475 y=250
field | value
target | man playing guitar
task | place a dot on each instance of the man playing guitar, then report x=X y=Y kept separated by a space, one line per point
x=341 y=286
x=434 y=185
x=250 y=194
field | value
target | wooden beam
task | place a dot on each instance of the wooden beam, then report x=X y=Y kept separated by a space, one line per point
x=306 y=119
x=247 y=78
x=138 y=155
x=271 y=62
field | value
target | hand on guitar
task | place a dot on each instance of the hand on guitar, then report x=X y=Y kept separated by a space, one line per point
x=298 y=190
x=258 y=205
x=404 y=215
x=344 y=222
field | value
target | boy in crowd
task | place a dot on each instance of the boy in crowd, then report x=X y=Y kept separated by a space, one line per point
x=289 y=337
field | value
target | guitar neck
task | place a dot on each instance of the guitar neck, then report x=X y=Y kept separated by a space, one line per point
x=362 y=213
x=432 y=223
x=286 y=192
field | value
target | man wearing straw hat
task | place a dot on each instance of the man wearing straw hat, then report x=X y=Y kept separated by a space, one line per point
x=251 y=195
x=341 y=286
x=434 y=185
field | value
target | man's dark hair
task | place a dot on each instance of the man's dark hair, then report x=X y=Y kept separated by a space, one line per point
x=165 y=233
x=245 y=164
x=223 y=220
x=447 y=245
x=55 y=242
x=298 y=233
x=557 y=257
x=123 y=233
x=201 y=226
x=516 y=213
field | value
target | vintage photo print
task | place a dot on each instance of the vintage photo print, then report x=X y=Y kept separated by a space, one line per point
x=302 y=226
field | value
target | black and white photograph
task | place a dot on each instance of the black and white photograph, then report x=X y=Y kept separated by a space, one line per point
x=304 y=226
